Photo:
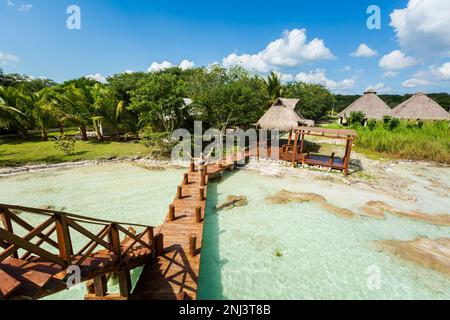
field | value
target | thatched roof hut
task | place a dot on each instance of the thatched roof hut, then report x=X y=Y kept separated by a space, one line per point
x=283 y=116
x=420 y=107
x=369 y=104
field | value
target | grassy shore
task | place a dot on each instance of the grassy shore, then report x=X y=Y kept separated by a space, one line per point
x=17 y=152
x=430 y=142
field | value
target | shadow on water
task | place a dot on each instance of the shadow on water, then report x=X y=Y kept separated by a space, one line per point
x=210 y=279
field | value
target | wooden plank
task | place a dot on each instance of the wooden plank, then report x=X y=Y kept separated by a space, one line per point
x=8 y=284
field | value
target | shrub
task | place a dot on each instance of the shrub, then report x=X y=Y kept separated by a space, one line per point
x=356 y=118
x=420 y=124
x=65 y=144
x=372 y=124
x=161 y=144
x=394 y=124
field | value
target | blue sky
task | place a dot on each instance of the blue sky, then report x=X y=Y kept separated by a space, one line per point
x=305 y=40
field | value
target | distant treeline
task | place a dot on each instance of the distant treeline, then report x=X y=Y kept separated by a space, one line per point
x=343 y=101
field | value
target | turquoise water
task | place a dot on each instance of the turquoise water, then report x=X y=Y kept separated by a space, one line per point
x=118 y=192
x=323 y=256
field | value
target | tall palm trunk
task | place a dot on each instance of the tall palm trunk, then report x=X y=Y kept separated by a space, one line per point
x=44 y=135
x=83 y=131
x=23 y=133
x=61 y=128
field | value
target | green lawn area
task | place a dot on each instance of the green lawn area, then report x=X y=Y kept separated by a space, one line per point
x=17 y=152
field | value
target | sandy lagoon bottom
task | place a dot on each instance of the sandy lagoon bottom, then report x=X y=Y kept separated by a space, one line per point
x=322 y=256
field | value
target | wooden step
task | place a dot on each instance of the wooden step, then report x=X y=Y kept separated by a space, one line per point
x=31 y=276
x=8 y=284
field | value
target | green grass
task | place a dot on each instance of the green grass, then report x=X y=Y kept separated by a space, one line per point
x=17 y=152
x=431 y=142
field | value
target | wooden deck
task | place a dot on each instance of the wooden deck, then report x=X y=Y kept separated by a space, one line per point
x=174 y=274
x=30 y=270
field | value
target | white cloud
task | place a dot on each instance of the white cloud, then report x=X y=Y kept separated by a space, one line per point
x=442 y=72
x=9 y=3
x=186 y=64
x=380 y=88
x=364 y=51
x=285 y=77
x=319 y=77
x=25 y=7
x=249 y=62
x=156 y=67
x=346 y=68
x=291 y=50
x=414 y=82
x=397 y=60
x=8 y=58
x=128 y=71
x=97 y=77
x=390 y=74
x=423 y=26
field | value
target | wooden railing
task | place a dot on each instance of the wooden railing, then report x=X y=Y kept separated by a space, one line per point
x=51 y=239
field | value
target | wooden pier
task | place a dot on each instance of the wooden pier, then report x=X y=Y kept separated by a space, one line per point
x=170 y=254
x=174 y=273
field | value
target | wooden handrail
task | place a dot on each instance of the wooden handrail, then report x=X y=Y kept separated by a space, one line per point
x=62 y=223
x=74 y=217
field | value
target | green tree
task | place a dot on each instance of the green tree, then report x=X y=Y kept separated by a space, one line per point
x=274 y=86
x=13 y=114
x=315 y=100
x=158 y=101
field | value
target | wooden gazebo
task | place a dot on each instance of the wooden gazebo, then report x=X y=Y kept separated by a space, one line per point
x=294 y=150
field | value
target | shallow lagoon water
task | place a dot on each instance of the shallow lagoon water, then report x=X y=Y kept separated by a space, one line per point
x=322 y=256
x=118 y=192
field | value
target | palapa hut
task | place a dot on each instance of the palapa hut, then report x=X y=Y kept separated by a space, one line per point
x=283 y=116
x=369 y=104
x=420 y=107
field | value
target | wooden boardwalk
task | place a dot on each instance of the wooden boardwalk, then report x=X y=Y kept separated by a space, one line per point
x=170 y=254
x=174 y=273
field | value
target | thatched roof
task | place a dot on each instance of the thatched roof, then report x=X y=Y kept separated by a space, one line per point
x=421 y=107
x=282 y=116
x=369 y=104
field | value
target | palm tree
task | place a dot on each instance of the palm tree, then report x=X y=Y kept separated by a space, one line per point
x=41 y=107
x=11 y=110
x=274 y=86
x=78 y=101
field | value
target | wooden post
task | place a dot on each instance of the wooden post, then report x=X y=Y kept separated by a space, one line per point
x=171 y=215
x=348 y=153
x=302 y=146
x=192 y=166
x=186 y=179
x=101 y=286
x=294 y=157
x=64 y=241
x=159 y=245
x=202 y=177
x=192 y=245
x=124 y=283
x=5 y=215
x=114 y=239
x=205 y=168
x=179 y=192
x=290 y=137
x=151 y=237
x=201 y=192
x=198 y=215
